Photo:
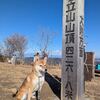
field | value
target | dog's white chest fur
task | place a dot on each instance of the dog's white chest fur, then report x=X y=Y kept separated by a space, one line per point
x=38 y=83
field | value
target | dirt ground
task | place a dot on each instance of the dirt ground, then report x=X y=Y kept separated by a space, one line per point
x=92 y=89
x=12 y=76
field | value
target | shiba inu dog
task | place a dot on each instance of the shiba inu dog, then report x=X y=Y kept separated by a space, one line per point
x=34 y=80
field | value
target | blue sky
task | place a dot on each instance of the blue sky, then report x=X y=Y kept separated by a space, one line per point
x=28 y=17
x=92 y=26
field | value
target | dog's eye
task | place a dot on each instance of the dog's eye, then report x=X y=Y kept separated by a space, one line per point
x=41 y=65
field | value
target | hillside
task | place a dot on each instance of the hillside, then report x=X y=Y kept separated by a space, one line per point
x=11 y=78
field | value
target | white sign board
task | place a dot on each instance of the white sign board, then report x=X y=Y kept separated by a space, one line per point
x=73 y=50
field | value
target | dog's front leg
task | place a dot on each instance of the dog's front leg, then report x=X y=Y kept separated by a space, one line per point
x=38 y=95
x=29 y=94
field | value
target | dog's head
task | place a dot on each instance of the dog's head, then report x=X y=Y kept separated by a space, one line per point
x=40 y=64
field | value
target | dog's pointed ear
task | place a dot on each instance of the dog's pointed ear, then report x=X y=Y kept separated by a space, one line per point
x=36 y=57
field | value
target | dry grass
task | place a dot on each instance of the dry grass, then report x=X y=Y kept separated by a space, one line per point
x=11 y=77
x=92 y=89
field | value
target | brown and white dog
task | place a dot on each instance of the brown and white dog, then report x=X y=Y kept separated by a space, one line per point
x=34 y=81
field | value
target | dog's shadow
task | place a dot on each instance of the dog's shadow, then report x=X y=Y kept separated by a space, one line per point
x=54 y=83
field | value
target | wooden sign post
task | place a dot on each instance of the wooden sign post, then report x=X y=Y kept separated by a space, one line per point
x=73 y=50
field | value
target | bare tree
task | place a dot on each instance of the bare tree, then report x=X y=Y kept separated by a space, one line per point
x=16 y=44
x=2 y=49
x=45 y=39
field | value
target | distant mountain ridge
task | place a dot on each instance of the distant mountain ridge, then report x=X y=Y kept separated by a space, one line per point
x=53 y=61
x=97 y=61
